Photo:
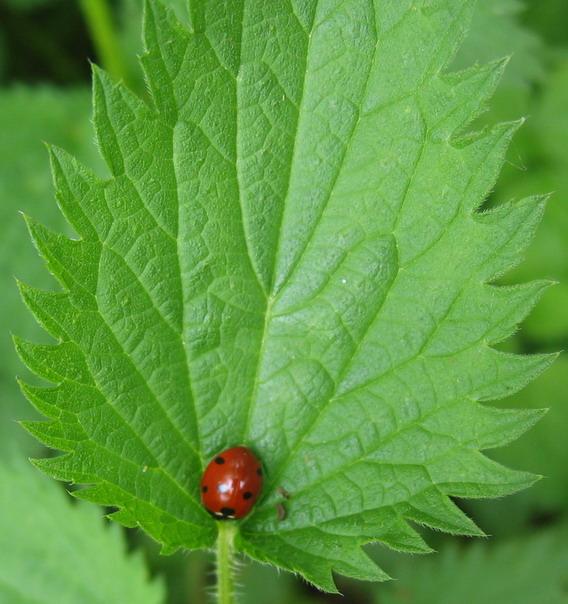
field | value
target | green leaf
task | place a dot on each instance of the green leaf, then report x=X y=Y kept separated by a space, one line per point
x=52 y=551
x=289 y=255
x=28 y=116
x=520 y=571
x=129 y=13
x=500 y=571
x=544 y=448
x=548 y=255
x=496 y=32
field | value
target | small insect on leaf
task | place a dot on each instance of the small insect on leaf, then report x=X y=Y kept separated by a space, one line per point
x=231 y=483
x=281 y=512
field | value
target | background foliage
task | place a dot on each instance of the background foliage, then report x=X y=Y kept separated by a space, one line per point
x=44 y=47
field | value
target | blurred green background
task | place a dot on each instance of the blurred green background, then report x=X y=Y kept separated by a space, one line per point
x=45 y=49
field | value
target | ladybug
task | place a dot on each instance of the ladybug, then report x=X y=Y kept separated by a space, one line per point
x=231 y=483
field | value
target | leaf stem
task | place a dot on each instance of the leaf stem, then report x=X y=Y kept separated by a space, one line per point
x=99 y=20
x=225 y=578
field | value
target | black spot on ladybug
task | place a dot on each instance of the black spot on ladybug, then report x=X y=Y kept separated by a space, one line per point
x=227 y=512
x=220 y=460
x=247 y=495
x=204 y=489
x=259 y=471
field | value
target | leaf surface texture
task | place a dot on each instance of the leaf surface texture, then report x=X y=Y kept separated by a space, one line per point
x=289 y=254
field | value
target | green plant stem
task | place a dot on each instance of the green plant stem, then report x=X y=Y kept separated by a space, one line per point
x=225 y=579
x=103 y=32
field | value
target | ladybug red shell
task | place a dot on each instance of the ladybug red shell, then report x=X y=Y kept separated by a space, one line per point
x=231 y=483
